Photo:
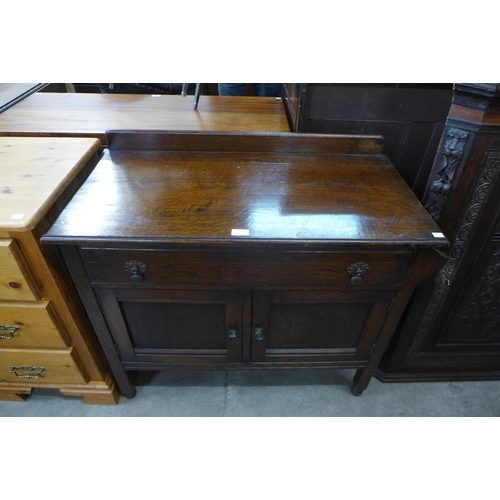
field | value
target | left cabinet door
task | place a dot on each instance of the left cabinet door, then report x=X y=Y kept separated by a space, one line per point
x=155 y=328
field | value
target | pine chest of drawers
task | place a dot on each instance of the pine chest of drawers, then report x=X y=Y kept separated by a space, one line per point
x=252 y=251
x=46 y=340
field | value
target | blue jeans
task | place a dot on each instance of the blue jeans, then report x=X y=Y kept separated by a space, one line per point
x=260 y=89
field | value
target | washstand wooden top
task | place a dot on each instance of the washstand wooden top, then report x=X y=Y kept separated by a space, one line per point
x=91 y=115
x=176 y=188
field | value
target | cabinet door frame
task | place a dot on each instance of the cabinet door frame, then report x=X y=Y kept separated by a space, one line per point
x=262 y=300
x=143 y=358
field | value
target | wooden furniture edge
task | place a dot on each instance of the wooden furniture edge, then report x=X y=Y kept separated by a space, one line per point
x=244 y=142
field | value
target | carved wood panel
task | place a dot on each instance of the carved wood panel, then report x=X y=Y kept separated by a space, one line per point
x=477 y=318
x=444 y=284
x=451 y=331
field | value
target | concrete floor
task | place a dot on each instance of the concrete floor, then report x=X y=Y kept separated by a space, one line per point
x=299 y=393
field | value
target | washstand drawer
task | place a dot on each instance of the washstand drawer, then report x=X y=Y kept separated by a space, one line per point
x=37 y=366
x=29 y=324
x=249 y=268
x=16 y=280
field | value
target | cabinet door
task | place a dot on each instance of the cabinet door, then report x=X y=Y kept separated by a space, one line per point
x=316 y=326
x=154 y=328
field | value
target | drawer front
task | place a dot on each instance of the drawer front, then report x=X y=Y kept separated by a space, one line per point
x=16 y=280
x=29 y=324
x=39 y=367
x=224 y=268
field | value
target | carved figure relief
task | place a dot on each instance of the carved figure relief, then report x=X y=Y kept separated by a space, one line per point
x=451 y=154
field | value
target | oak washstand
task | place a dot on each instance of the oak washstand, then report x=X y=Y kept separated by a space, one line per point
x=245 y=250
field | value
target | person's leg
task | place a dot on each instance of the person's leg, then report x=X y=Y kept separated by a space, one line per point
x=268 y=89
x=232 y=88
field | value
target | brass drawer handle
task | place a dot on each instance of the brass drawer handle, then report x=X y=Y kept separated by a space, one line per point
x=37 y=369
x=137 y=268
x=10 y=328
x=356 y=270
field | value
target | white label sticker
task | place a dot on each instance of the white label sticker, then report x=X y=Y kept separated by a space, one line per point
x=438 y=235
x=17 y=216
x=240 y=232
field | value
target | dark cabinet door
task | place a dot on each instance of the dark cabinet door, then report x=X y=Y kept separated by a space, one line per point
x=158 y=328
x=163 y=327
x=316 y=326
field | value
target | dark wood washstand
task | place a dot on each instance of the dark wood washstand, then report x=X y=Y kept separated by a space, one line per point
x=245 y=250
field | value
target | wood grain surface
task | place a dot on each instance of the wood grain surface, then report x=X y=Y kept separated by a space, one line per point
x=34 y=172
x=91 y=115
x=205 y=195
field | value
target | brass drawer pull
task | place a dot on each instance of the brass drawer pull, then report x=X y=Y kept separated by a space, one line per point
x=10 y=328
x=37 y=369
x=137 y=268
x=356 y=270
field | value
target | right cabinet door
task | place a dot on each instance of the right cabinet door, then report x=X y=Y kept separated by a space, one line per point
x=316 y=325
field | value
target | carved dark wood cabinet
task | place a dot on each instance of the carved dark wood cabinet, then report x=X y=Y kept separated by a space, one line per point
x=452 y=329
x=410 y=117
x=245 y=250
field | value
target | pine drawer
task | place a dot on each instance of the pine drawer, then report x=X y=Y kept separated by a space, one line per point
x=16 y=280
x=47 y=366
x=29 y=324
